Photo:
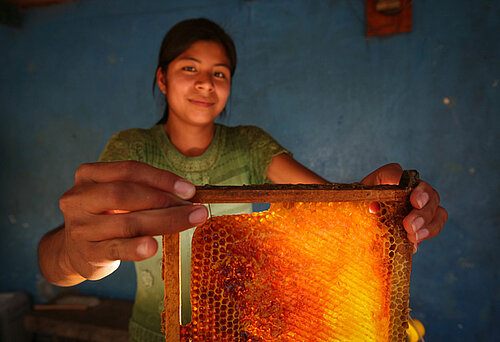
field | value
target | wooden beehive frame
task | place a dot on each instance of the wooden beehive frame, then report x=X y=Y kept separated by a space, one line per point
x=266 y=194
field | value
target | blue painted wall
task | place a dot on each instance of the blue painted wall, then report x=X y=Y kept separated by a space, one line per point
x=78 y=72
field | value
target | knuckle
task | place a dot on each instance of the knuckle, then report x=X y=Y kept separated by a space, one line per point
x=437 y=224
x=115 y=193
x=114 y=251
x=75 y=231
x=64 y=202
x=438 y=198
x=128 y=167
x=395 y=165
x=434 y=195
x=434 y=230
x=444 y=214
x=67 y=200
x=83 y=170
x=167 y=200
x=128 y=224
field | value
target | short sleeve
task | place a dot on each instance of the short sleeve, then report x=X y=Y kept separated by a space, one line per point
x=125 y=145
x=262 y=148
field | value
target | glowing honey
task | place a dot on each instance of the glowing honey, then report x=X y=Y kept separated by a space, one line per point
x=301 y=272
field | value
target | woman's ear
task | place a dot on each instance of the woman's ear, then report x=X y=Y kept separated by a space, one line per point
x=161 y=80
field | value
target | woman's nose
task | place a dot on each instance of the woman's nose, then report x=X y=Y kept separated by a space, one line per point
x=205 y=82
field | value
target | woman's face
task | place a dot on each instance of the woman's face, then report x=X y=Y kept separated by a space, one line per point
x=197 y=84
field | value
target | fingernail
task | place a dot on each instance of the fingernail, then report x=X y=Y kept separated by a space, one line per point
x=417 y=224
x=198 y=215
x=183 y=189
x=143 y=250
x=422 y=234
x=422 y=199
x=374 y=208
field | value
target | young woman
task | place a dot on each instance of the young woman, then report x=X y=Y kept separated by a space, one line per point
x=142 y=184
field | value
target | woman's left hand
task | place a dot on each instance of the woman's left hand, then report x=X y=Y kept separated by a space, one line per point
x=427 y=217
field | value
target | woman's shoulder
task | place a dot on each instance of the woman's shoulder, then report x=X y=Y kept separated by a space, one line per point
x=252 y=138
x=245 y=131
x=129 y=144
x=135 y=134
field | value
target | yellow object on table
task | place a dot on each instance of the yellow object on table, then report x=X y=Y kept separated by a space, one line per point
x=415 y=331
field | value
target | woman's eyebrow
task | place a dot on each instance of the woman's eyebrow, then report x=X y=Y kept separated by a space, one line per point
x=190 y=59
x=198 y=61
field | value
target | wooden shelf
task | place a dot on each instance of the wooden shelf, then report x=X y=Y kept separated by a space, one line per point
x=108 y=321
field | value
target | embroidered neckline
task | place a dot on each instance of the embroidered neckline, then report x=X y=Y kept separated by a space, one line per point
x=180 y=162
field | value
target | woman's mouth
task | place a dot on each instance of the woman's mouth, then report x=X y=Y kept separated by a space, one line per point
x=202 y=102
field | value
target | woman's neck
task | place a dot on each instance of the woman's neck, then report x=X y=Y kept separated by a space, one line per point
x=191 y=141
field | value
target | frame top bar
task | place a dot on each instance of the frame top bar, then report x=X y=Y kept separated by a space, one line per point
x=335 y=192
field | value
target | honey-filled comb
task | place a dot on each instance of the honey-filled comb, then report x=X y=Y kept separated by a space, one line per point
x=301 y=271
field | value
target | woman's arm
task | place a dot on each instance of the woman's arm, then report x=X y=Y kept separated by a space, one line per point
x=286 y=170
x=425 y=220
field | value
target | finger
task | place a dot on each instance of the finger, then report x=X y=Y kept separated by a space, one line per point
x=99 y=259
x=418 y=218
x=128 y=196
x=430 y=229
x=133 y=249
x=137 y=172
x=421 y=195
x=387 y=174
x=425 y=200
x=434 y=227
x=142 y=223
x=374 y=207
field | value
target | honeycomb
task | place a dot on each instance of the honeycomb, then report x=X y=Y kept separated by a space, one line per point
x=301 y=272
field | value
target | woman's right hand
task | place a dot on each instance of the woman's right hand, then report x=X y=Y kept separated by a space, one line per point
x=112 y=213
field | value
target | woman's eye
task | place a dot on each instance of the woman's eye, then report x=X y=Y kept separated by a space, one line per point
x=219 y=74
x=188 y=68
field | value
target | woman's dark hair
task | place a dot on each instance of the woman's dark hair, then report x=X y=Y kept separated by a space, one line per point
x=185 y=33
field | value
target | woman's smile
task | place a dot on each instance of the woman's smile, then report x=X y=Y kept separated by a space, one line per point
x=202 y=102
